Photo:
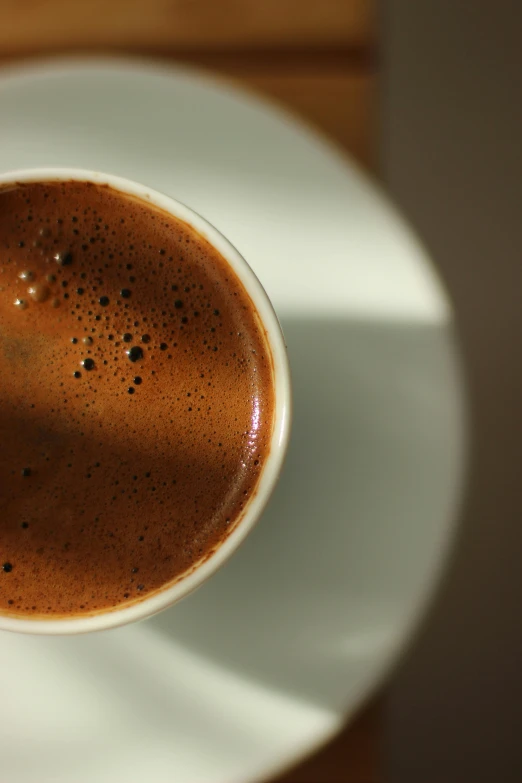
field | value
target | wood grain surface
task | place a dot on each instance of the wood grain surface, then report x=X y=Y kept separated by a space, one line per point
x=185 y=23
x=316 y=58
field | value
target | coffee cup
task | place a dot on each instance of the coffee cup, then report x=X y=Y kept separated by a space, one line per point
x=253 y=509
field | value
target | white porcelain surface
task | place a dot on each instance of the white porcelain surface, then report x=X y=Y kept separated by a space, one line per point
x=266 y=660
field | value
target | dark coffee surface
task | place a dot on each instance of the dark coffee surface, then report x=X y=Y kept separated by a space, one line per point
x=136 y=399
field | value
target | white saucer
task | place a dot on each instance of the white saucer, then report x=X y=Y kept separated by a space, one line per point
x=267 y=660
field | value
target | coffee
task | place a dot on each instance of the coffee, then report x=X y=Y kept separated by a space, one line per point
x=136 y=399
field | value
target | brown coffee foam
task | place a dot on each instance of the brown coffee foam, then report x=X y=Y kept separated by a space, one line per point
x=72 y=529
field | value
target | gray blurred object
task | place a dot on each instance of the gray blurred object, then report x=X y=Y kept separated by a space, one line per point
x=452 y=158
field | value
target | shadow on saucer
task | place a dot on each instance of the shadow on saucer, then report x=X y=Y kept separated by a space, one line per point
x=368 y=464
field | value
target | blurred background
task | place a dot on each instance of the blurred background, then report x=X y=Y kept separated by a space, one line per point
x=426 y=96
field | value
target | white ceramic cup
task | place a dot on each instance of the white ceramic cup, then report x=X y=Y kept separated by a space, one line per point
x=188 y=582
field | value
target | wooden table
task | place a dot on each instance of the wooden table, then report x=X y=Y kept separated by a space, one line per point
x=316 y=56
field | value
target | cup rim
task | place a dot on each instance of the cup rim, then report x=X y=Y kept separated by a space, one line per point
x=202 y=571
